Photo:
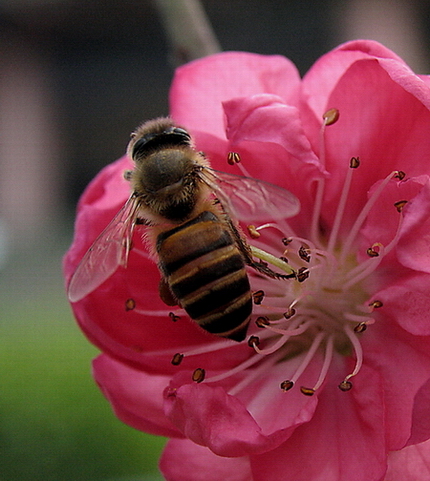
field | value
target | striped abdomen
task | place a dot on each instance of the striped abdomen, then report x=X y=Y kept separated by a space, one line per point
x=206 y=272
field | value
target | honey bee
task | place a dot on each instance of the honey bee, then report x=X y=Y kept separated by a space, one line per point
x=189 y=213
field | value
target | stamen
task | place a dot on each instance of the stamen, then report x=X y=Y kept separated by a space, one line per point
x=253 y=232
x=400 y=204
x=253 y=341
x=316 y=214
x=328 y=356
x=358 y=355
x=258 y=297
x=233 y=158
x=287 y=385
x=281 y=341
x=287 y=332
x=302 y=274
x=174 y=317
x=376 y=304
x=346 y=247
x=254 y=374
x=157 y=313
x=342 y=204
x=361 y=327
x=309 y=355
x=331 y=116
x=130 y=304
x=240 y=367
x=368 y=266
x=199 y=375
x=177 y=359
x=304 y=253
x=372 y=252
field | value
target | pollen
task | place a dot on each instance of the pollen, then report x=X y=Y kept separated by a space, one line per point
x=331 y=116
x=130 y=304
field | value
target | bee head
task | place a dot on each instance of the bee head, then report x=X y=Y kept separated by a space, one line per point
x=171 y=136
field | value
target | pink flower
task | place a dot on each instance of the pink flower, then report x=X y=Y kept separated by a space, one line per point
x=337 y=385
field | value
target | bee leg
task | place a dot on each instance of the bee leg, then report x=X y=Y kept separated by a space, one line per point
x=263 y=268
x=244 y=248
x=127 y=175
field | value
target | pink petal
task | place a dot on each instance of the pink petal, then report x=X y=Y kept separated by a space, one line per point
x=404 y=367
x=413 y=248
x=384 y=232
x=183 y=460
x=421 y=415
x=135 y=396
x=408 y=303
x=200 y=87
x=410 y=464
x=266 y=118
x=369 y=128
x=344 y=441
x=209 y=416
x=322 y=77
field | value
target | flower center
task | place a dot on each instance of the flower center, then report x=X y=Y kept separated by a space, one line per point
x=325 y=309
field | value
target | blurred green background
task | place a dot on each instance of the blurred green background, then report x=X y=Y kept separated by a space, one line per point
x=55 y=425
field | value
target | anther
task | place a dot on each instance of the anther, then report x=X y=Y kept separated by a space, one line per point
x=253 y=341
x=262 y=322
x=371 y=252
x=345 y=386
x=233 y=158
x=130 y=304
x=302 y=274
x=289 y=313
x=199 y=375
x=376 y=304
x=304 y=253
x=253 y=232
x=331 y=116
x=177 y=359
x=400 y=175
x=307 y=391
x=286 y=385
x=258 y=297
x=354 y=163
x=400 y=204
x=360 y=327
x=174 y=317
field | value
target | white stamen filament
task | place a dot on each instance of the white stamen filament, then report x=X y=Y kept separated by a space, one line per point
x=308 y=357
x=357 y=349
x=328 y=356
x=340 y=210
x=346 y=246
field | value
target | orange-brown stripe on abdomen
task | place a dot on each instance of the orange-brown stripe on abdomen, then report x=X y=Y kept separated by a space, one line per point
x=206 y=272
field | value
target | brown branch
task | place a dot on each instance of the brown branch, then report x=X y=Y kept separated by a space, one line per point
x=188 y=30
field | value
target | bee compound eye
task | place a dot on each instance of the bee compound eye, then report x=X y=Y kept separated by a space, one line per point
x=181 y=133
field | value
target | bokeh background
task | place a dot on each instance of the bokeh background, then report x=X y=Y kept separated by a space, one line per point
x=76 y=77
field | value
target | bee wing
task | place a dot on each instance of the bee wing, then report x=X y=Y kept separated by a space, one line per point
x=107 y=253
x=252 y=200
